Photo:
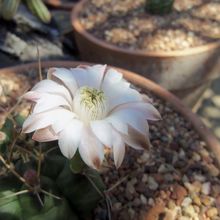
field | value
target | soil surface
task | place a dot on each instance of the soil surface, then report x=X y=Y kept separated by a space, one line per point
x=176 y=179
x=127 y=24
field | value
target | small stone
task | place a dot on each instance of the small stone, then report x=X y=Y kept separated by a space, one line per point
x=143 y=199
x=145 y=157
x=212 y=212
x=213 y=170
x=206 y=188
x=186 y=202
x=189 y=211
x=155 y=211
x=136 y=202
x=171 y=204
x=204 y=153
x=206 y=200
x=196 y=199
x=199 y=177
x=117 y=206
x=152 y=184
x=168 y=177
x=170 y=215
x=179 y=192
x=216 y=190
x=144 y=178
x=182 y=154
x=141 y=187
x=133 y=181
x=196 y=208
x=183 y=218
x=151 y=201
x=131 y=213
x=196 y=157
x=165 y=168
x=130 y=188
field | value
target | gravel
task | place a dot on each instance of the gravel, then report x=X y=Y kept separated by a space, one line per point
x=176 y=179
x=126 y=24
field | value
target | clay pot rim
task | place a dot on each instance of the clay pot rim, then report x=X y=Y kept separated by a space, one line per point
x=177 y=53
x=59 y=4
x=205 y=134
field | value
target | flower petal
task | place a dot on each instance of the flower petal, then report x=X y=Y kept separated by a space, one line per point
x=65 y=76
x=147 y=109
x=45 y=119
x=49 y=86
x=133 y=118
x=117 y=123
x=45 y=101
x=91 y=149
x=118 y=149
x=44 y=135
x=70 y=137
x=136 y=139
x=121 y=93
x=103 y=131
x=95 y=75
x=112 y=76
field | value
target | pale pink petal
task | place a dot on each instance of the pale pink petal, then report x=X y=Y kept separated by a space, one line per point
x=45 y=119
x=117 y=123
x=32 y=96
x=91 y=149
x=65 y=76
x=103 y=131
x=81 y=76
x=44 y=135
x=147 y=109
x=95 y=75
x=121 y=93
x=70 y=137
x=133 y=118
x=118 y=149
x=45 y=101
x=112 y=76
x=136 y=139
x=49 y=86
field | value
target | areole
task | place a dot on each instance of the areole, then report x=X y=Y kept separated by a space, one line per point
x=146 y=84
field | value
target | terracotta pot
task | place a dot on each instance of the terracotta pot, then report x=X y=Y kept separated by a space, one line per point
x=60 y=4
x=146 y=84
x=182 y=72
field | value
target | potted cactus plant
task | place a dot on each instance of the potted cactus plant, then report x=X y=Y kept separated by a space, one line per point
x=77 y=155
x=166 y=41
x=37 y=7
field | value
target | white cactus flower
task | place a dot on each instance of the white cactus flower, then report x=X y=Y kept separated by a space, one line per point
x=89 y=108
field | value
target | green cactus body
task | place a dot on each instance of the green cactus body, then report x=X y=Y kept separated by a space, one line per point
x=159 y=6
x=39 y=9
x=9 y=8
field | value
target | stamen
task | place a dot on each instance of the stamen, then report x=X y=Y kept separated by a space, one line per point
x=90 y=104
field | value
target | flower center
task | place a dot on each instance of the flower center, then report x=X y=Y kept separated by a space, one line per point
x=90 y=104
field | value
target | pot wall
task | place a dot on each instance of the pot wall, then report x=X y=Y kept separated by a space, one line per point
x=183 y=72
